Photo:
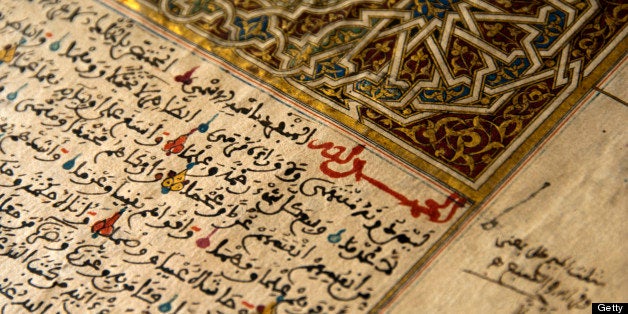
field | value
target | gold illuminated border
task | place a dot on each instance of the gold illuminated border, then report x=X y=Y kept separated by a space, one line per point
x=477 y=197
x=393 y=149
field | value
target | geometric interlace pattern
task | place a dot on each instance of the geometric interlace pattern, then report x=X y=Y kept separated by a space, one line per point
x=458 y=83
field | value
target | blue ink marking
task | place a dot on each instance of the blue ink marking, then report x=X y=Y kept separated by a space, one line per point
x=166 y=307
x=13 y=95
x=335 y=237
x=70 y=163
x=57 y=44
x=203 y=127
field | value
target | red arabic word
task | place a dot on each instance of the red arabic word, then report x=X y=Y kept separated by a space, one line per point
x=334 y=153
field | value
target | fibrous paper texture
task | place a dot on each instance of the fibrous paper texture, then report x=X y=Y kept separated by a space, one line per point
x=312 y=157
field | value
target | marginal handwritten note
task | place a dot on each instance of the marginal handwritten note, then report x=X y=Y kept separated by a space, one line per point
x=550 y=283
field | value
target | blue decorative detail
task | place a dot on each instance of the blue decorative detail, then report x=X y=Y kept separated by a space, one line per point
x=444 y=95
x=371 y=90
x=430 y=9
x=259 y=23
x=550 y=30
x=507 y=72
x=326 y=67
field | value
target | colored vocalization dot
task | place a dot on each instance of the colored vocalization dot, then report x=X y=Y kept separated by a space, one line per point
x=335 y=237
x=166 y=307
x=57 y=44
x=13 y=95
x=203 y=127
x=70 y=163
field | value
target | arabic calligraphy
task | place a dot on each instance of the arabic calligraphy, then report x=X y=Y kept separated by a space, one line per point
x=550 y=283
x=135 y=176
x=432 y=207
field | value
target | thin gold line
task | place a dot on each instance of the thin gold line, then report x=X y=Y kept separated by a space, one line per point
x=477 y=196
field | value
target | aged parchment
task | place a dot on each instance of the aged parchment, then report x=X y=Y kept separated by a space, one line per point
x=337 y=157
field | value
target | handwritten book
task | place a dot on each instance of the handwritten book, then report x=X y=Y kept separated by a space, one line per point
x=140 y=173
